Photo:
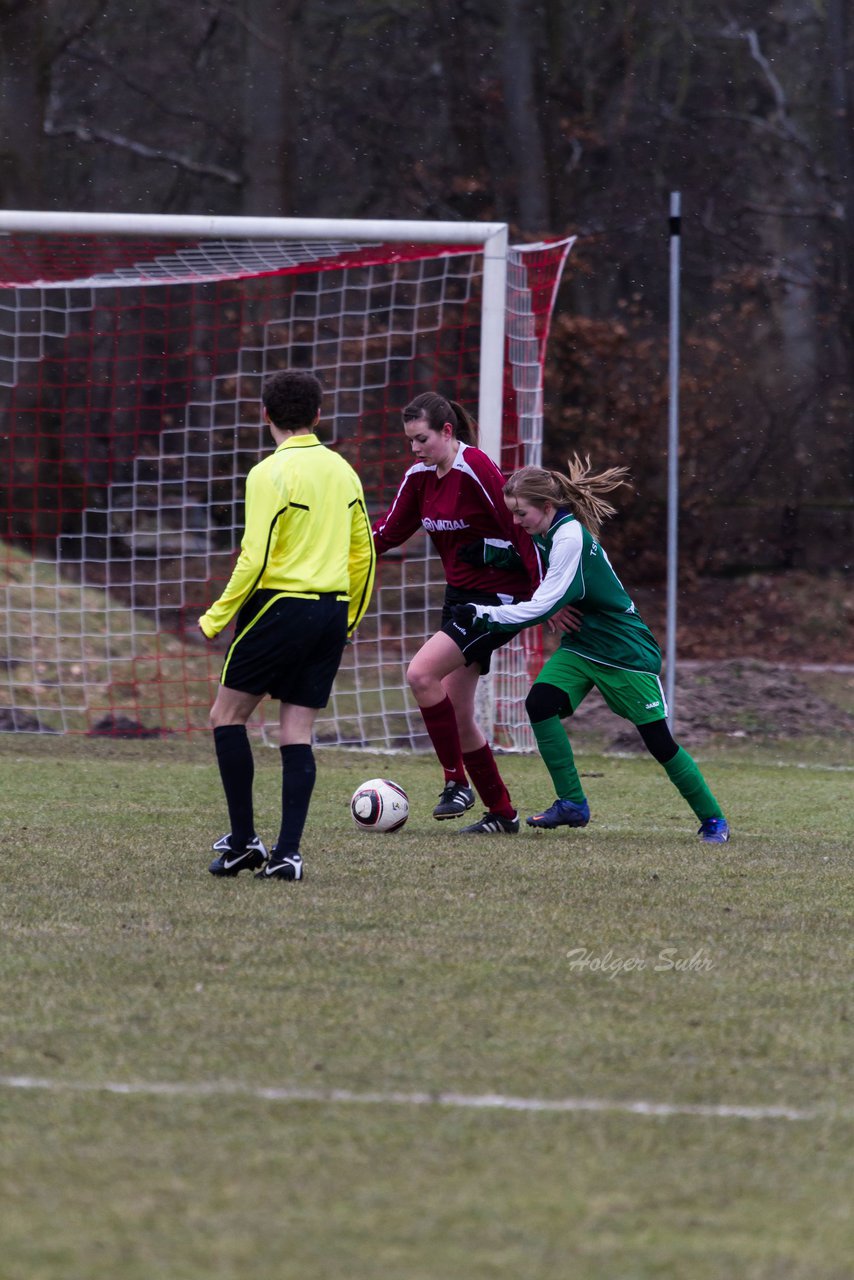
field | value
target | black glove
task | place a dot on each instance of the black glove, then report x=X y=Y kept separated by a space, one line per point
x=466 y=616
x=483 y=553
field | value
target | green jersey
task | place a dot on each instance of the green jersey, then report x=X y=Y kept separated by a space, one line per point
x=578 y=572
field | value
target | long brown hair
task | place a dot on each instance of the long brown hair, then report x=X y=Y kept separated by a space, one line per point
x=436 y=411
x=580 y=490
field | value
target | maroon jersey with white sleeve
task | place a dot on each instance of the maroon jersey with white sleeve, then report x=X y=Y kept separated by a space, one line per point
x=465 y=504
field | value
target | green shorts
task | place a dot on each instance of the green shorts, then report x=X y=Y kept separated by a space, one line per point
x=635 y=695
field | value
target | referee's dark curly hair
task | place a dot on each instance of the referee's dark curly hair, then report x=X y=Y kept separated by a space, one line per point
x=292 y=399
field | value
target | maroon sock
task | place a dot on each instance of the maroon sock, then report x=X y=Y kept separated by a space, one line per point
x=441 y=723
x=488 y=782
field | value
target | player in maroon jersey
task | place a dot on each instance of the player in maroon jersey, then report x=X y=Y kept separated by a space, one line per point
x=454 y=492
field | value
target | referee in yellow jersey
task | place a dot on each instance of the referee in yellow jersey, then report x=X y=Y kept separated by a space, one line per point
x=300 y=588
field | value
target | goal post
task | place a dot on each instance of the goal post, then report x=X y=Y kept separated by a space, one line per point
x=133 y=349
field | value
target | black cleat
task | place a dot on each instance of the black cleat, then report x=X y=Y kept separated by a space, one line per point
x=231 y=861
x=288 y=866
x=455 y=799
x=493 y=824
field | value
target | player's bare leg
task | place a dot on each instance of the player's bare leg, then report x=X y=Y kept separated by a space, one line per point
x=231 y=706
x=295 y=724
x=436 y=660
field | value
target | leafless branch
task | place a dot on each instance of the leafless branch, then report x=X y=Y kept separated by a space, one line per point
x=793 y=211
x=758 y=56
x=235 y=11
x=93 y=58
x=786 y=134
x=576 y=152
x=734 y=32
x=85 y=133
x=66 y=38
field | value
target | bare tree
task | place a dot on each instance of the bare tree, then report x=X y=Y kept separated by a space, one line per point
x=524 y=114
x=841 y=115
x=556 y=115
x=24 y=60
x=272 y=88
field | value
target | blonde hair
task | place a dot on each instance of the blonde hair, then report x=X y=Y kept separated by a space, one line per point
x=581 y=490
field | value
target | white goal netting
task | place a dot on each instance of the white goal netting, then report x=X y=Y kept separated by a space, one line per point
x=130 y=378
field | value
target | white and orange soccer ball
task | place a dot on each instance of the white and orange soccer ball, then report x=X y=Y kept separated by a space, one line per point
x=379 y=805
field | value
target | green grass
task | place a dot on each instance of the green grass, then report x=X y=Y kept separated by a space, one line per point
x=423 y=963
x=836 y=686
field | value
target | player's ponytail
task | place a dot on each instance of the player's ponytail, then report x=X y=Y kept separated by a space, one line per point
x=580 y=490
x=436 y=411
x=585 y=491
x=466 y=427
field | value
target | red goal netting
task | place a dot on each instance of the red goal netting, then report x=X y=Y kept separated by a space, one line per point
x=130 y=377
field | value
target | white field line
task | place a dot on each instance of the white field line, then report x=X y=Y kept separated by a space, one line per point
x=463 y=1101
x=765 y=764
x=806 y=764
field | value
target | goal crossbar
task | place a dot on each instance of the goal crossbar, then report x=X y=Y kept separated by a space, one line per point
x=200 y=226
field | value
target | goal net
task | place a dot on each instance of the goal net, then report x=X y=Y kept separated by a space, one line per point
x=131 y=366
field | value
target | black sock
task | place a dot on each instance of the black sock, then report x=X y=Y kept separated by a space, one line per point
x=298 y=775
x=237 y=771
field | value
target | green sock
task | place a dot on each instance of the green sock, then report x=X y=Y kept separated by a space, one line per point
x=557 y=756
x=690 y=783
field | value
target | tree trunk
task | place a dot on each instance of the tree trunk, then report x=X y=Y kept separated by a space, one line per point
x=525 y=141
x=842 y=125
x=23 y=84
x=271 y=106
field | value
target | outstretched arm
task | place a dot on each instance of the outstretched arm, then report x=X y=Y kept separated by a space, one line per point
x=401 y=520
x=562 y=585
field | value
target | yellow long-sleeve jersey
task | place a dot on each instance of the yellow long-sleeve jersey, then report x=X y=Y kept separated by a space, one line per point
x=307 y=533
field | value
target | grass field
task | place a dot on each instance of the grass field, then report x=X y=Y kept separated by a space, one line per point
x=607 y=1054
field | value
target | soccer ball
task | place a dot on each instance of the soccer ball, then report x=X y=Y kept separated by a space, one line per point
x=379 y=805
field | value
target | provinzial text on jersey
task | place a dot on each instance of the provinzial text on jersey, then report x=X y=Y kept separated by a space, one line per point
x=443 y=526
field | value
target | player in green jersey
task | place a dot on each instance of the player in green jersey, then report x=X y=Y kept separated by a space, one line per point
x=613 y=650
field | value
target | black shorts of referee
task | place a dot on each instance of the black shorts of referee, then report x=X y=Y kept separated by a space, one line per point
x=478 y=647
x=287 y=646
